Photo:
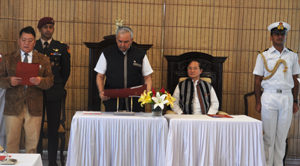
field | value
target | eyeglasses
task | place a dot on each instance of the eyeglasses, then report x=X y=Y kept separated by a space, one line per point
x=191 y=68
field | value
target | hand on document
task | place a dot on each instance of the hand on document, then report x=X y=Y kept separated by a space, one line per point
x=102 y=96
x=14 y=81
x=35 y=80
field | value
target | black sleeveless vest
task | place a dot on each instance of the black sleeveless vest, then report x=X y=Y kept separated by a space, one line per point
x=115 y=73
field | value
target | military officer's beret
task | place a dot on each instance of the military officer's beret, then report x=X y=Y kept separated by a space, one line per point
x=44 y=21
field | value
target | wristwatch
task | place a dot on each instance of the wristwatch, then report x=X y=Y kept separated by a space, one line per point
x=296 y=101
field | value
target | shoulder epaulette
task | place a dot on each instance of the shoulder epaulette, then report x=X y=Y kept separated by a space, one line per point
x=263 y=50
x=292 y=50
x=61 y=42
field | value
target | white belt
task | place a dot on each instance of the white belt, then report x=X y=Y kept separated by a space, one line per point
x=278 y=90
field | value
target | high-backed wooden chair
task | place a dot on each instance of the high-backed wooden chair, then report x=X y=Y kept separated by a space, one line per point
x=61 y=130
x=250 y=110
x=212 y=69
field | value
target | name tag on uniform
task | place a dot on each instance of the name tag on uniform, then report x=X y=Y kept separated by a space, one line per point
x=270 y=59
x=137 y=64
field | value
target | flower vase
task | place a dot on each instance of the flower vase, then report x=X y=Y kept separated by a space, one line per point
x=156 y=111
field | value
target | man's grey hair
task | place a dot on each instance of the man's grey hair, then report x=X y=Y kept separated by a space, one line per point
x=124 y=29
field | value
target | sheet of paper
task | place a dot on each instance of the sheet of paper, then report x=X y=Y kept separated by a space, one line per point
x=219 y=116
x=92 y=112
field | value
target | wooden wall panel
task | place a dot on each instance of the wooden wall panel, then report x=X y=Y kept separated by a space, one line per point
x=236 y=29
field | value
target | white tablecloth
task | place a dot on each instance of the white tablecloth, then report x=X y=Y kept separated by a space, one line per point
x=109 y=140
x=25 y=159
x=199 y=140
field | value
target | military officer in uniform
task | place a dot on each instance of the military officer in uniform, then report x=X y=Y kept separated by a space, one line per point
x=276 y=71
x=60 y=61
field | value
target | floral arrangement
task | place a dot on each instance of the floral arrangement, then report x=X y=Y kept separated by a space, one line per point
x=157 y=98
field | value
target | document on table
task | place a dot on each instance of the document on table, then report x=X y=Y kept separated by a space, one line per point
x=92 y=112
x=219 y=116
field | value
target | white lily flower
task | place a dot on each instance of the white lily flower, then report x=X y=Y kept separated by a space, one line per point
x=159 y=100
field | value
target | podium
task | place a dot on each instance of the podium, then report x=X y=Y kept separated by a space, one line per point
x=95 y=50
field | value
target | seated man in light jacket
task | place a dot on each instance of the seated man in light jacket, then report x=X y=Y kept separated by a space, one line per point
x=193 y=95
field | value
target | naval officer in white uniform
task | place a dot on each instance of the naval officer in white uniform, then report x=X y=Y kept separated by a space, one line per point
x=276 y=71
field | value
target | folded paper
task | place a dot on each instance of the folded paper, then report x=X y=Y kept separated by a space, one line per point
x=26 y=71
x=126 y=92
x=219 y=116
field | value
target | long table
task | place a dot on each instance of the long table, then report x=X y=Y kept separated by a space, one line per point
x=203 y=140
x=108 y=139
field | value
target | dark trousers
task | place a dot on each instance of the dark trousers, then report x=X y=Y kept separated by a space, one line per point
x=53 y=109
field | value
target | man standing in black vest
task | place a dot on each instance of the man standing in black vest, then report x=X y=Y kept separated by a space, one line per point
x=124 y=66
x=60 y=62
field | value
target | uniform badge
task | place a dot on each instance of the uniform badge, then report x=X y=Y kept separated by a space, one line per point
x=56 y=52
x=280 y=26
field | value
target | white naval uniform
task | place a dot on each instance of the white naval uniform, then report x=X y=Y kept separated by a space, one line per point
x=277 y=108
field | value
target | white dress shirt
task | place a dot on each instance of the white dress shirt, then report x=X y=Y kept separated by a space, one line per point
x=29 y=56
x=280 y=80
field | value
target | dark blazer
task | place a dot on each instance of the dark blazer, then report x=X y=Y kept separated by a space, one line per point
x=16 y=96
x=60 y=64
